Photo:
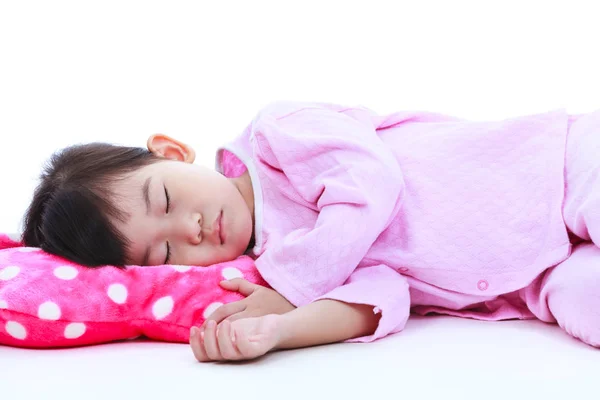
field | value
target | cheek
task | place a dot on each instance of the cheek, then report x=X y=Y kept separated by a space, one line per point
x=205 y=256
x=139 y=234
x=243 y=231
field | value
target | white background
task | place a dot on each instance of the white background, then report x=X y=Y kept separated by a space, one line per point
x=118 y=71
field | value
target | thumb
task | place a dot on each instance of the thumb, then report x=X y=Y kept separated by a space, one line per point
x=239 y=285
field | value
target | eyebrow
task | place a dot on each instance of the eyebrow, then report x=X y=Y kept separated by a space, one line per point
x=146 y=195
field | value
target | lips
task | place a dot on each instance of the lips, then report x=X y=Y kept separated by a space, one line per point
x=220 y=227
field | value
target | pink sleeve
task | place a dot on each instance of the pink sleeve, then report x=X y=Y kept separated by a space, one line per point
x=381 y=287
x=334 y=160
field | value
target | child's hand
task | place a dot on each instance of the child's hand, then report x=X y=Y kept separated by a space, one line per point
x=259 y=301
x=239 y=340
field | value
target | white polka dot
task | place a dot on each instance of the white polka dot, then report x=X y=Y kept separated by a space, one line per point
x=162 y=307
x=117 y=293
x=231 y=273
x=16 y=330
x=9 y=272
x=181 y=268
x=67 y=273
x=28 y=249
x=3 y=304
x=211 y=309
x=49 y=310
x=74 y=330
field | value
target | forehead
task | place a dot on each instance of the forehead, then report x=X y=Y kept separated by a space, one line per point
x=135 y=224
x=130 y=184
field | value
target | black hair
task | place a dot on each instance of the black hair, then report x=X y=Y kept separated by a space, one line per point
x=72 y=207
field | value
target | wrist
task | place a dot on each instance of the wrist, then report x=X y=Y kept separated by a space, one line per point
x=284 y=329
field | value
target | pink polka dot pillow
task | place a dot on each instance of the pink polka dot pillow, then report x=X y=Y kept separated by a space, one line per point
x=48 y=302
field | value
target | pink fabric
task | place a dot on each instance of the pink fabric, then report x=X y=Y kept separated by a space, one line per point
x=568 y=294
x=232 y=167
x=408 y=211
x=46 y=301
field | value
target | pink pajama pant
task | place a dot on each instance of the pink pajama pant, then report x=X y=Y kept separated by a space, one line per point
x=569 y=293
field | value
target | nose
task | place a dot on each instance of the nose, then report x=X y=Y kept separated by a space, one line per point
x=194 y=229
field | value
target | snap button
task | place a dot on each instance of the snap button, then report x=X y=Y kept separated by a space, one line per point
x=482 y=285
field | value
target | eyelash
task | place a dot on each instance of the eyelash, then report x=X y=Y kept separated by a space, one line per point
x=168 y=253
x=168 y=199
x=168 y=206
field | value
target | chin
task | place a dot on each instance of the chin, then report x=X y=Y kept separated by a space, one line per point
x=241 y=248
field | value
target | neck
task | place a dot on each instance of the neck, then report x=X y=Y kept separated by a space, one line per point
x=244 y=186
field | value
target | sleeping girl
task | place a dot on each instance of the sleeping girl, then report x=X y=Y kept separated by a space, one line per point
x=355 y=220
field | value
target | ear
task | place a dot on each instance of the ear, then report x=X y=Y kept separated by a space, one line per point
x=166 y=147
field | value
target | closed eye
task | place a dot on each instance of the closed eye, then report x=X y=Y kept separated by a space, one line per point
x=168 y=257
x=168 y=199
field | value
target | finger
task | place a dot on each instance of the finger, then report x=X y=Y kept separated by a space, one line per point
x=225 y=311
x=226 y=342
x=239 y=285
x=211 y=347
x=197 y=344
x=240 y=315
x=246 y=313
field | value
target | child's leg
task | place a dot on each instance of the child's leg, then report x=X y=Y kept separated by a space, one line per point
x=570 y=294
x=581 y=210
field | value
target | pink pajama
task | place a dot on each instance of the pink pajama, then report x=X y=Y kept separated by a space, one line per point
x=427 y=213
x=569 y=293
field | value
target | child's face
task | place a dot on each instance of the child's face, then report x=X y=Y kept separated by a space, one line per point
x=188 y=225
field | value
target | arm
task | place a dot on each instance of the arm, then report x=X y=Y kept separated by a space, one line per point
x=373 y=303
x=336 y=163
x=325 y=321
